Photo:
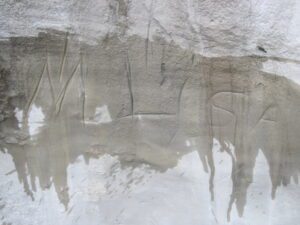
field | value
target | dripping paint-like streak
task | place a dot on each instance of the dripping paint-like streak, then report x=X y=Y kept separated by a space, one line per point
x=209 y=116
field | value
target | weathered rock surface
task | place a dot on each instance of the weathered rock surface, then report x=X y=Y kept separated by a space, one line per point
x=116 y=124
x=208 y=27
x=113 y=113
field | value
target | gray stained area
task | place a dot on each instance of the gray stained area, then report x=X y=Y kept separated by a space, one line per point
x=144 y=132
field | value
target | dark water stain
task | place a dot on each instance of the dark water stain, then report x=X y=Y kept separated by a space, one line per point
x=227 y=98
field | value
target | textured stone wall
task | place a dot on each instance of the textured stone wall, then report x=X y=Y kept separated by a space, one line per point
x=208 y=27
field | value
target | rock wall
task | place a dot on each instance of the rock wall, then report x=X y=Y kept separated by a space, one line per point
x=208 y=27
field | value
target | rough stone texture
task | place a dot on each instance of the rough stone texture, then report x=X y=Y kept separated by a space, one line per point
x=4 y=94
x=208 y=27
x=118 y=120
x=115 y=129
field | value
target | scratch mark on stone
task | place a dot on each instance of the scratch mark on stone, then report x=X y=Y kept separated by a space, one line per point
x=70 y=210
x=212 y=211
x=179 y=96
x=178 y=109
x=162 y=67
x=10 y=172
x=35 y=91
x=49 y=79
x=163 y=28
x=62 y=64
x=129 y=80
x=148 y=33
x=262 y=119
x=162 y=72
x=64 y=90
x=82 y=88
x=154 y=114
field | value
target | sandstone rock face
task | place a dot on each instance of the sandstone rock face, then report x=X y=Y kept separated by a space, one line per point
x=209 y=27
x=117 y=123
x=135 y=112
